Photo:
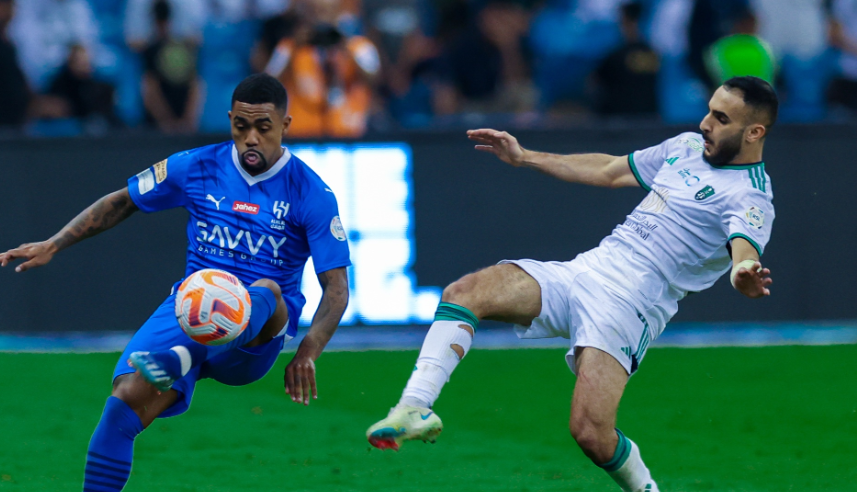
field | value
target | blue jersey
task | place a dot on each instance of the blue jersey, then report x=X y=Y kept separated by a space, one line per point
x=263 y=226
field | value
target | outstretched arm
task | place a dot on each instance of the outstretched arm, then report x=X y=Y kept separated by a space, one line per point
x=98 y=217
x=299 y=378
x=592 y=169
x=748 y=277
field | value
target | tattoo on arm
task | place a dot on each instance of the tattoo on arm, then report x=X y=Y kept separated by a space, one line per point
x=98 y=217
x=334 y=300
x=334 y=283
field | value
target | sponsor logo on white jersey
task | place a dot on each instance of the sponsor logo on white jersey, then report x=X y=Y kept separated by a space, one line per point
x=246 y=208
x=211 y=198
x=689 y=178
x=693 y=143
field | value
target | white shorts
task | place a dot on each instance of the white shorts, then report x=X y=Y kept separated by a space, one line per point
x=581 y=303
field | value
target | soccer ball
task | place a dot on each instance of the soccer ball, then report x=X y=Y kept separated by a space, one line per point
x=212 y=307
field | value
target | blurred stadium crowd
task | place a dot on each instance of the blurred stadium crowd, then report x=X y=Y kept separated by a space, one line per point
x=70 y=67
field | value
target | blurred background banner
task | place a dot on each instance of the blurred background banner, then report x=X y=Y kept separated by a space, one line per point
x=420 y=210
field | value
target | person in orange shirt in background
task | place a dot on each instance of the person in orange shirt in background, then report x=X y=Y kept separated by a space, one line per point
x=328 y=75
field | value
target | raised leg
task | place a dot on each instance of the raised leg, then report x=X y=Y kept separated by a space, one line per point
x=268 y=317
x=501 y=292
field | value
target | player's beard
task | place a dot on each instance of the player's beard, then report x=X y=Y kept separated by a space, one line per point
x=727 y=150
x=260 y=165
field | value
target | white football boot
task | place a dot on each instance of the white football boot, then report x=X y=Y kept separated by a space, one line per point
x=405 y=423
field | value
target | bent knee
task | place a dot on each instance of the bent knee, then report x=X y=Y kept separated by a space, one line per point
x=461 y=291
x=268 y=284
x=134 y=391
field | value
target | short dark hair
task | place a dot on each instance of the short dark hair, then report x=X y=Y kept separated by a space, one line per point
x=632 y=11
x=162 y=11
x=758 y=94
x=261 y=88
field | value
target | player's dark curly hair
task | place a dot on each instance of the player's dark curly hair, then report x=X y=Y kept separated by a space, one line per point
x=757 y=94
x=261 y=88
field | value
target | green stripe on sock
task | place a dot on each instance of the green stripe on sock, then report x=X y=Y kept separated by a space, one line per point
x=453 y=312
x=623 y=450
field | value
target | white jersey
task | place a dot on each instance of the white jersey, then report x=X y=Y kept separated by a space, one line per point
x=680 y=232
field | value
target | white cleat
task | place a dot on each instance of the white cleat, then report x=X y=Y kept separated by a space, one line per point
x=405 y=423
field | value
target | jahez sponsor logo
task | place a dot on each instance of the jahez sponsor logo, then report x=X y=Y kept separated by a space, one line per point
x=244 y=207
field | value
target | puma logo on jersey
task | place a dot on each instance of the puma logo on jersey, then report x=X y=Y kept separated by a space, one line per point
x=216 y=202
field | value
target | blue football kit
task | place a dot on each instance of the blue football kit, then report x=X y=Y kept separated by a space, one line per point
x=263 y=226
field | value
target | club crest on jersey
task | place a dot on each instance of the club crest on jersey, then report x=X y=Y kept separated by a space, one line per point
x=281 y=210
x=336 y=229
x=704 y=193
x=755 y=217
x=245 y=208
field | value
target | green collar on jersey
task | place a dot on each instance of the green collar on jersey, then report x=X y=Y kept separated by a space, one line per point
x=739 y=166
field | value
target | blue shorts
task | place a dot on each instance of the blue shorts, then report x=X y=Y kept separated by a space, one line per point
x=235 y=367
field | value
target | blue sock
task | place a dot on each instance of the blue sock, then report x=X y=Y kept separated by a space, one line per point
x=263 y=305
x=108 y=460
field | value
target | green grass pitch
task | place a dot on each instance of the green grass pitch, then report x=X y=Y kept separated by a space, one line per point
x=720 y=419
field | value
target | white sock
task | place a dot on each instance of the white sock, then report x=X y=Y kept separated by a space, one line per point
x=184 y=357
x=632 y=474
x=438 y=358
